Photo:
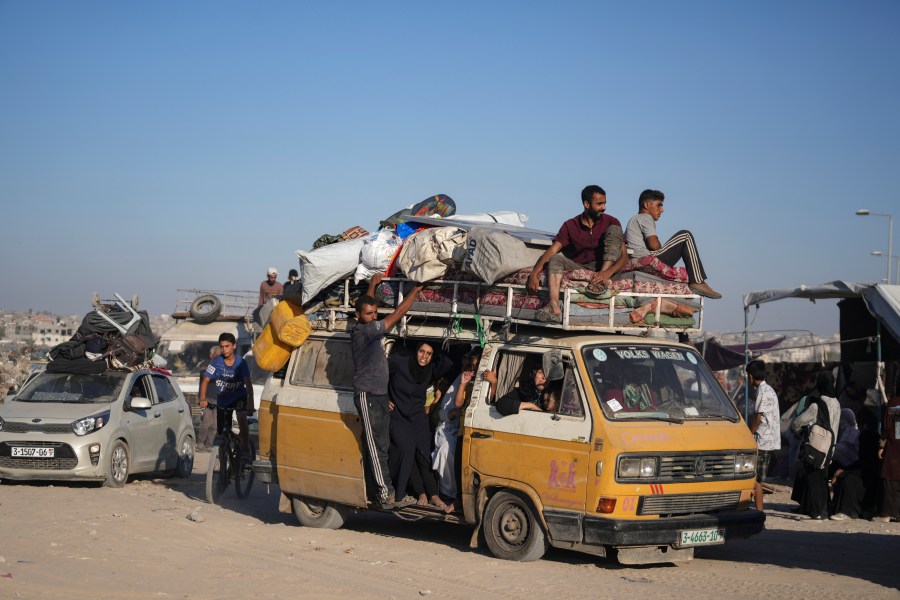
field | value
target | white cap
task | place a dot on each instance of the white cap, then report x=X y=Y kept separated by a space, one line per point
x=272 y=271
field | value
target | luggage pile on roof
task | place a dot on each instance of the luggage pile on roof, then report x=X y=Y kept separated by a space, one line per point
x=474 y=265
x=112 y=336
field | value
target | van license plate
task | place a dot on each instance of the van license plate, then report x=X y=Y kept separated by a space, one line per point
x=19 y=452
x=700 y=537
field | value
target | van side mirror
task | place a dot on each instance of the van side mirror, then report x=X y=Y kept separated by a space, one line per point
x=552 y=365
x=139 y=403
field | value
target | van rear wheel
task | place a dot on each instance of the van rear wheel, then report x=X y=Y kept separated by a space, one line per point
x=511 y=530
x=312 y=512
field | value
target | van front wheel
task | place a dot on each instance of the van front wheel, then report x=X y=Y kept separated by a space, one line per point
x=321 y=514
x=511 y=530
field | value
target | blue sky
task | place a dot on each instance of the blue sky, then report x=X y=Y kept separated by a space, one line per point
x=151 y=146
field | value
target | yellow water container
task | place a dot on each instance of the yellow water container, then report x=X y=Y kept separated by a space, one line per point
x=290 y=324
x=270 y=353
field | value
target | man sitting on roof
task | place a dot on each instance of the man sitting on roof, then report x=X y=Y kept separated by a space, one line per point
x=592 y=240
x=641 y=238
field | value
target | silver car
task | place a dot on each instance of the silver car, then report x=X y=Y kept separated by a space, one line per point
x=66 y=426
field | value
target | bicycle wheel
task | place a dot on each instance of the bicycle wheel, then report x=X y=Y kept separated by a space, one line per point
x=217 y=473
x=243 y=475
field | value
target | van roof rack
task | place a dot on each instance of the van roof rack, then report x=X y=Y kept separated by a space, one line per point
x=612 y=318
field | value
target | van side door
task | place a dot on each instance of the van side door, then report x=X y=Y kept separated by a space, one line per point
x=318 y=451
x=543 y=453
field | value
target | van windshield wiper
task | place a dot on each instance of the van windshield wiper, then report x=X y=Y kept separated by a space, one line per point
x=652 y=417
x=718 y=416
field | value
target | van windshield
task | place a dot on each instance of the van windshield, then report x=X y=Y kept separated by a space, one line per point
x=73 y=388
x=662 y=382
x=185 y=358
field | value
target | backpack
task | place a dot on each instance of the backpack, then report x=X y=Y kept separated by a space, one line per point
x=817 y=446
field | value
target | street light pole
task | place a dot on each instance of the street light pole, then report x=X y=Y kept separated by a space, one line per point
x=863 y=212
x=896 y=260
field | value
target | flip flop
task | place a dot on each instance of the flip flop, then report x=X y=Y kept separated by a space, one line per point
x=546 y=316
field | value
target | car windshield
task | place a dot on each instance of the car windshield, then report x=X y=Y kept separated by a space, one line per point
x=661 y=383
x=185 y=358
x=73 y=388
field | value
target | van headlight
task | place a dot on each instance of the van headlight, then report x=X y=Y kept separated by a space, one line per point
x=744 y=463
x=643 y=467
x=88 y=424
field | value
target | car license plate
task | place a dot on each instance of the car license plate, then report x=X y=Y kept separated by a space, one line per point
x=19 y=452
x=700 y=537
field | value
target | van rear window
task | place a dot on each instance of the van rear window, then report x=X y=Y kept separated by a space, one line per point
x=324 y=363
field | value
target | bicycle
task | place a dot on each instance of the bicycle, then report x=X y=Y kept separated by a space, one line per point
x=227 y=462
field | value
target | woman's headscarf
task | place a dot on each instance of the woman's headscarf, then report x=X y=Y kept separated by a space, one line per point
x=419 y=373
x=824 y=385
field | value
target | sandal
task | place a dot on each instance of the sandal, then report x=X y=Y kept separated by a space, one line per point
x=546 y=316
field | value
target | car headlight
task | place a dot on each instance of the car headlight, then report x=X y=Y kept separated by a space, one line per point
x=744 y=463
x=638 y=468
x=88 y=424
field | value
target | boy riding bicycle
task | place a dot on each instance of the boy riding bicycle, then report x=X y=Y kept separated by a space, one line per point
x=234 y=391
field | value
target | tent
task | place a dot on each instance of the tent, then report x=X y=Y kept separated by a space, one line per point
x=870 y=313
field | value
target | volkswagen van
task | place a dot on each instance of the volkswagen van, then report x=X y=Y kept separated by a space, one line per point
x=643 y=458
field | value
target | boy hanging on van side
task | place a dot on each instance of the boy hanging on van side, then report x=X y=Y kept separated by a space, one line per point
x=370 y=382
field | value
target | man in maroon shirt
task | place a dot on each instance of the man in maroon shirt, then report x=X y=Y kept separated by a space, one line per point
x=593 y=240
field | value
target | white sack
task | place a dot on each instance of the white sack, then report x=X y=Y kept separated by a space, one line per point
x=376 y=254
x=323 y=266
x=428 y=254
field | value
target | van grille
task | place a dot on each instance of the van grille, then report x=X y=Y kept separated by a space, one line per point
x=64 y=457
x=690 y=467
x=684 y=504
x=687 y=467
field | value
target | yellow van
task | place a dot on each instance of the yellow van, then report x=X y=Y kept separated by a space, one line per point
x=643 y=458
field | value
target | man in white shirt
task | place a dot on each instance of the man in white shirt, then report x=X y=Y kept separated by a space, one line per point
x=765 y=423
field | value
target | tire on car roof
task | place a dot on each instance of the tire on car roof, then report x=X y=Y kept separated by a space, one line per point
x=206 y=308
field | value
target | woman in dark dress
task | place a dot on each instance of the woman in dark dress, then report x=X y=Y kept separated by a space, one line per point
x=889 y=453
x=411 y=374
x=846 y=476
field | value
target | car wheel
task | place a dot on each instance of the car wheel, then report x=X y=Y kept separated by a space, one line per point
x=185 y=457
x=321 y=514
x=117 y=468
x=216 y=474
x=511 y=530
x=206 y=308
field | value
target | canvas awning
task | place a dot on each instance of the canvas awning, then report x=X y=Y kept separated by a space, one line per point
x=883 y=301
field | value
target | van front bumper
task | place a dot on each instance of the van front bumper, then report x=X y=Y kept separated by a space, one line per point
x=649 y=532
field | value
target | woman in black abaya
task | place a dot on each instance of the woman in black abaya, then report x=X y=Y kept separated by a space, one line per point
x=411 y=374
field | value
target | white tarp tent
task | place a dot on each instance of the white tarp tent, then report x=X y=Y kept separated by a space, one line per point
x=882 y=301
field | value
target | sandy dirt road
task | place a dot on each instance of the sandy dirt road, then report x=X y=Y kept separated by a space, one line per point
x=83 y=541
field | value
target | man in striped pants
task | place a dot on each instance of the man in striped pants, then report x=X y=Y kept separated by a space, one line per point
x=370 y=383
x=641 y=239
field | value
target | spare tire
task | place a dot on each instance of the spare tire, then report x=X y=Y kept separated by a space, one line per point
x=206 y=309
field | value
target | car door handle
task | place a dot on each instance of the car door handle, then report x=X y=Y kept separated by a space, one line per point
x=481 y=436
x=181 y=410
x=157 y=415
